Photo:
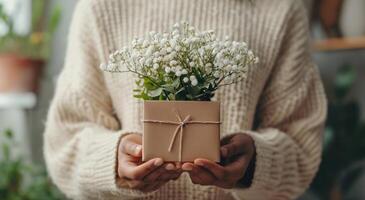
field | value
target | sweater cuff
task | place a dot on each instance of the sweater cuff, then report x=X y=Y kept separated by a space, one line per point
x=267 y=173
x=100 y=164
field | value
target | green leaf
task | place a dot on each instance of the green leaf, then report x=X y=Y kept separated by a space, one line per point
x=168 y=88
x=328 y=137
x=5 y=18
x=55 y=19
x=172 y=97
x=8 y=133
x=180 y=90
x=6 y=151
x=155 y=93
x=161 y=97
x=176 y=83
x=38 y=11
x=344 y=81
x=148 y=84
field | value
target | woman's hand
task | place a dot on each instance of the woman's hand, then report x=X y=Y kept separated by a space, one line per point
x=237 y=151
x=134 y=174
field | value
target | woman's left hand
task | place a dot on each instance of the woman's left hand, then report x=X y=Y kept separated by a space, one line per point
x=237 y=151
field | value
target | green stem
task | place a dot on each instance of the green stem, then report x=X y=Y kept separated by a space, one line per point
x=149 y=78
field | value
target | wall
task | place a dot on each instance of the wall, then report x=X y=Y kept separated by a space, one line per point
x=37 y=117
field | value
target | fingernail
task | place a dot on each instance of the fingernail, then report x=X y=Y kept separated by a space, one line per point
x=170 y=167
x=187 y=167
x=138 y=149
x=178 y=165
x=199 y=163
x=158 y=162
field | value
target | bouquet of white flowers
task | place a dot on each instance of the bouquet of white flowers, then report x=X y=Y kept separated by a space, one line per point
x=183 y=64
x=185 y=67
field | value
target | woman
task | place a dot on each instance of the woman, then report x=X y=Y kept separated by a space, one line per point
x=272 y=121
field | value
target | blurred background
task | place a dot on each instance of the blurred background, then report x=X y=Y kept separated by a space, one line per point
x=33 y=38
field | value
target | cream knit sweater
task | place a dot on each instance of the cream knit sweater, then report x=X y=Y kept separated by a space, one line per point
x=281 y=103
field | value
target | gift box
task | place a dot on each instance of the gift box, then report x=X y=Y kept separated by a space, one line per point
x=181 y=130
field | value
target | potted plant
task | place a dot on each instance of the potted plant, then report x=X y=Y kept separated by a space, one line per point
x=22 y=180
x=177 y=74
x=344 y=141
x=22 y=57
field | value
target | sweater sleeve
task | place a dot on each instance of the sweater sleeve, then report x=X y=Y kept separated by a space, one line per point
x=82 y=133
x=290 y=118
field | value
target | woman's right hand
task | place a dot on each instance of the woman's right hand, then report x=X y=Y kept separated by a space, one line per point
x=144 y=176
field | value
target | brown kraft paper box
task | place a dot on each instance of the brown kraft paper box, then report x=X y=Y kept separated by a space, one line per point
x=199 y=137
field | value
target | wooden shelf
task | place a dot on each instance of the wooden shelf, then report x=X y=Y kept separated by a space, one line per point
x=337 y=44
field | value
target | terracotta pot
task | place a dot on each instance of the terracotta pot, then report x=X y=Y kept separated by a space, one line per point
x=19 y=74
x=329 y=14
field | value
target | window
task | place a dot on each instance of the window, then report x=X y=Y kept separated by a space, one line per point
x=20 y=10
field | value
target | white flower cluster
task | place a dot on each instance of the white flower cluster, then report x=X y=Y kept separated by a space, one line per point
x=184 y=54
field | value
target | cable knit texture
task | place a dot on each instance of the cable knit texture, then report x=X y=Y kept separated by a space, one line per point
x=281 y=103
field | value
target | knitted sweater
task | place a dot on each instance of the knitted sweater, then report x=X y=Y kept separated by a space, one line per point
x=280 y=104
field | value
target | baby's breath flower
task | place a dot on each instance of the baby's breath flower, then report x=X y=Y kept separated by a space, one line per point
x=184 y=71
x=178 y=73
x=173 y=62
x=167 y=69
x=208 y=70
x=184 y=52
x=177 y=48
x=186 y=79
x=217 y=74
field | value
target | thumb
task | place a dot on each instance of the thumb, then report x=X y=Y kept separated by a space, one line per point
x=231 y=149
x=131 y=148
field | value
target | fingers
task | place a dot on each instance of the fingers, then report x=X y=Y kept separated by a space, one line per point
x=199 y=175
x=178 y=165
x=217 y=170
x=236 y=145
x=161 y=176
x=187 y=166
x=137 y=185
x=157 y=175
x=206 y=172
x=131 y=171
x=176 y=175
x=131 y=148
x=155 y=178
x=239 y=166
x=164 y=173
x=232 y=149
x=170 y=167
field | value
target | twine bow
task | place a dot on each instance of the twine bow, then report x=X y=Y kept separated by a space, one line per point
x=179 y=129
